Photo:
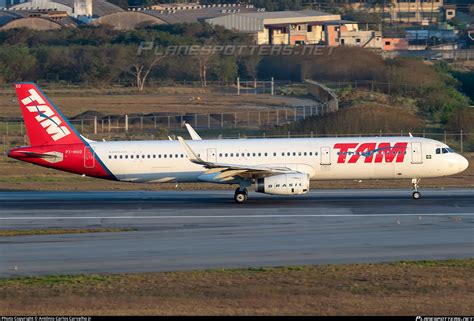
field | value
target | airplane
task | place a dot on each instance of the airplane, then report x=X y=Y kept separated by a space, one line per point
x=274 y=166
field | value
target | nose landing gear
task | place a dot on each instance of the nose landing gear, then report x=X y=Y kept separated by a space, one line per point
x=416 y=195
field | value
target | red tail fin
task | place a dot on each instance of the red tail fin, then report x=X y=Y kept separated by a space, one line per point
x=44 y=123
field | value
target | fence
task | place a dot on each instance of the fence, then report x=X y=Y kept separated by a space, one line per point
x=249 y=119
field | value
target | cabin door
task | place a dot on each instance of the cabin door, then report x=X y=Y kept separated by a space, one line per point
x=325 y=155
x=416 y=153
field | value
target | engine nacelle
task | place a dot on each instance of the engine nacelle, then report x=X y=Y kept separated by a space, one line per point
x=284 y=184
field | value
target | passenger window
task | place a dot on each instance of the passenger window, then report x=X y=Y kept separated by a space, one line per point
x=220 y=155
x=148 y=156
x=248 y=154
x=120 y=156
x=159 y=155
x=164 y=155
x=265 y=154
x=274 y=154
x=299 y=153
x=110 y=157
x=253 y=154
x=115 y=156
x=310 y=153
x=154 y=156
x=294 y=153
x=304 y=154
x=259 y=154
x=182 y=155
x=288 y=154
x=231 y=154
x=171 y=155
x=126 y=156
x=282 y=154
x=225 y=154
x=236 y=154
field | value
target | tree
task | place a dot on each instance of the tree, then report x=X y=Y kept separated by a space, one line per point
x=205 y=58
x=226 y=69
x=16 y=63
x=143 y=65
x=250 y=64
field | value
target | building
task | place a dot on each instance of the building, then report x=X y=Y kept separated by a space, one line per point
x=431 y=37
x=361 y=38
x=402 y=11
x=392 y=44
x=8 y=3
x=37 y=20
x=74 y=8
x=287 y=27
x=449 y=12
x=170 y=14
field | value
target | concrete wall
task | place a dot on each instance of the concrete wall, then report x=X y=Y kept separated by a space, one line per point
x=322 y=94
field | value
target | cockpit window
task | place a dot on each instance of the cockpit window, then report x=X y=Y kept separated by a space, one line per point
x=444 y=150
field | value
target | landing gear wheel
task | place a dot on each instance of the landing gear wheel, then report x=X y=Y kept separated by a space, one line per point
x=416 y=195
x=240 y=196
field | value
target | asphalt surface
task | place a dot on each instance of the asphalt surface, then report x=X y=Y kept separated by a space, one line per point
x=184 y=230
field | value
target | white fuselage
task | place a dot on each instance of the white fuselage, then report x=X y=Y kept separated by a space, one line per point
x=320 y=158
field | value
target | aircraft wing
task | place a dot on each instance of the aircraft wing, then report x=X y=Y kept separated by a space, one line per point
x=229 y=171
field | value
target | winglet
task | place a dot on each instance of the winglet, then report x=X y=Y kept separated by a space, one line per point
x=410 y=134
x=191 y=154
x=194 y=135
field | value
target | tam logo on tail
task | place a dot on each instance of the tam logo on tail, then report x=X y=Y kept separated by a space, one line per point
x=46 y=116
x=44 y=122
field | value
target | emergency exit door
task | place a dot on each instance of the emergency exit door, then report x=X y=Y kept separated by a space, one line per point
x=211 y=155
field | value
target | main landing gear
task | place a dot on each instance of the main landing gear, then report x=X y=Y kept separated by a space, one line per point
x=240 y=195
x=416 y=195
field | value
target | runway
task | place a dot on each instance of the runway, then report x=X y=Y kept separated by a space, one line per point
x=183 y=230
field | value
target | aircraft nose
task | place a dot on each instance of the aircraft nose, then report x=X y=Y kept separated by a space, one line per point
x=463 y=163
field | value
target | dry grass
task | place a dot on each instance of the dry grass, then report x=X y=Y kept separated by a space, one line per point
x=367 y=117
x=404 y=288
x=6 y=233
x=178 y=100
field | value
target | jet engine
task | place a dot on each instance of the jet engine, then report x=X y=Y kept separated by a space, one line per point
x=283 y=184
